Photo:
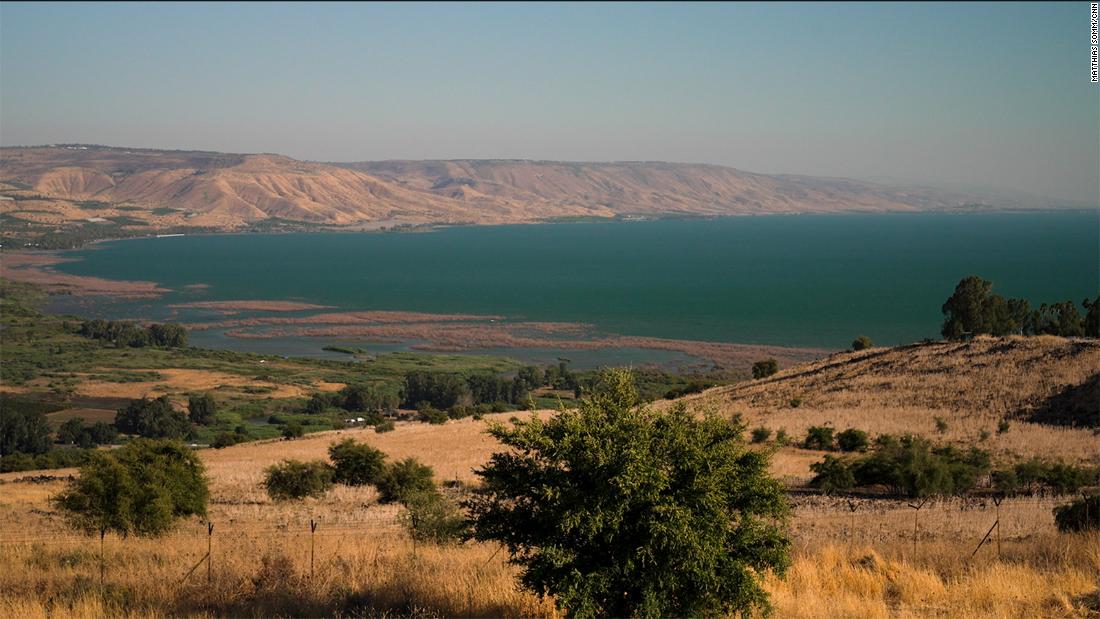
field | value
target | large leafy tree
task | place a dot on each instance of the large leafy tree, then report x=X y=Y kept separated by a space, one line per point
x=201 y=409
x=619 y=510
x=22 y=430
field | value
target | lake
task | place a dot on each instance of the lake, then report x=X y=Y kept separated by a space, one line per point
x=800 y=280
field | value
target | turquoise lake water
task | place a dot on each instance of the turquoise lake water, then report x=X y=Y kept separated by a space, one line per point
x=806 y=280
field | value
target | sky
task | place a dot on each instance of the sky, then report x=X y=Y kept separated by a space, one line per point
x=991 y=96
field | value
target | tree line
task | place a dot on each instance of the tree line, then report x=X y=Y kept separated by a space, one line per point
x=974 y=309
x=123 y=333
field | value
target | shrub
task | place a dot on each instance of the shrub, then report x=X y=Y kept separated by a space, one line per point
x=852 y=440
x=225 y=439
x=430 y=414
x=1002 y=426
x=832 y=475
x=795 y=402
x=139 y=489
x=621 y=511
x=1080 y=515
x=1067 y=478
x=403 y=479
x=781 y=438
x=862 y=343
x=293 y=430
x=385 y=426
x=765 y=368
x=941 y=425
x=293 y=479
x=431 y=517
x=356 y=464
x=1005 y=481
x=911 y=466
x=819 y=437
x=761 y=434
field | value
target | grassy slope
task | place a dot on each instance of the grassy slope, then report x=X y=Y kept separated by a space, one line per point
x=972 y=386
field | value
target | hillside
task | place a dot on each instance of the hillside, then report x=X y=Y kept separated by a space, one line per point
x=65 y=187
x=1042 y=385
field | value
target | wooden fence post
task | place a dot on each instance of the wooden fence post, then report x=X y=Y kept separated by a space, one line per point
x=209 y=556
x=916 y=510
x=312 y=532
x=997 y=502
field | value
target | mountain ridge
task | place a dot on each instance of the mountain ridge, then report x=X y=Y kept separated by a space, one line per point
x=70 y=185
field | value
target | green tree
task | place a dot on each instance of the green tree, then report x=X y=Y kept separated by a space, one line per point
x=1091 y=324
x=618 y=510
x=765 y=368
x=1059 y=319
x=862 y=343
x=966 y=311
x=152 y=419
x=356 y=464
x=69 y=433
x=142 y=489
x=201 y=409
x=23 y=431
x=293 y=479
x=432 y=517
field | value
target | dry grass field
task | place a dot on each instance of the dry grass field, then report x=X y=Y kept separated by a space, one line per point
x=863 y=558
x=845 y=565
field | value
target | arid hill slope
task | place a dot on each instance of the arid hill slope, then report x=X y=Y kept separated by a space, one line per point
x=141 y=187
x=970 y=386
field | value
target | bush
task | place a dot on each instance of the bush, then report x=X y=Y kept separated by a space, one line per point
x=293 y=430
x=293 y=479
x=819 y=437
x=1080 y=515
x=430 y=414
x=795 y=402
x=941 y=425
x=862 y=343
x=832 y=475
x=139 y=489
x=431 y=517
x=385 y=426
x=765 y=368
x=912 y=467
x=356 y=464
x=1002 y=426
x=403 y=479
x=622 y=511
x=761 y=434
x=781 y=437
x=225 y=439
x=852 y=440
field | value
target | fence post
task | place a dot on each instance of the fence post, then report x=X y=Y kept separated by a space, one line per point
x=916 y=510
x=209 y=556
x=997 y=502
x=102 y=556
x=312 y=531
x=852 y=527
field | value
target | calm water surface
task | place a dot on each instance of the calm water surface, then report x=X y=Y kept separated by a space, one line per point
x=803 y=280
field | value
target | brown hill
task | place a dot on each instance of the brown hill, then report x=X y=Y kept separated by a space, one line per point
x=70 y=184
x=1032 y=382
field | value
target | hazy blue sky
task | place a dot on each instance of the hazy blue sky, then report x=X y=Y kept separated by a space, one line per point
x=983 y=95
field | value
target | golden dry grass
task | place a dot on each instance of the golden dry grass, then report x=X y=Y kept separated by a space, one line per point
x=844 y=566
x=971 y=385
